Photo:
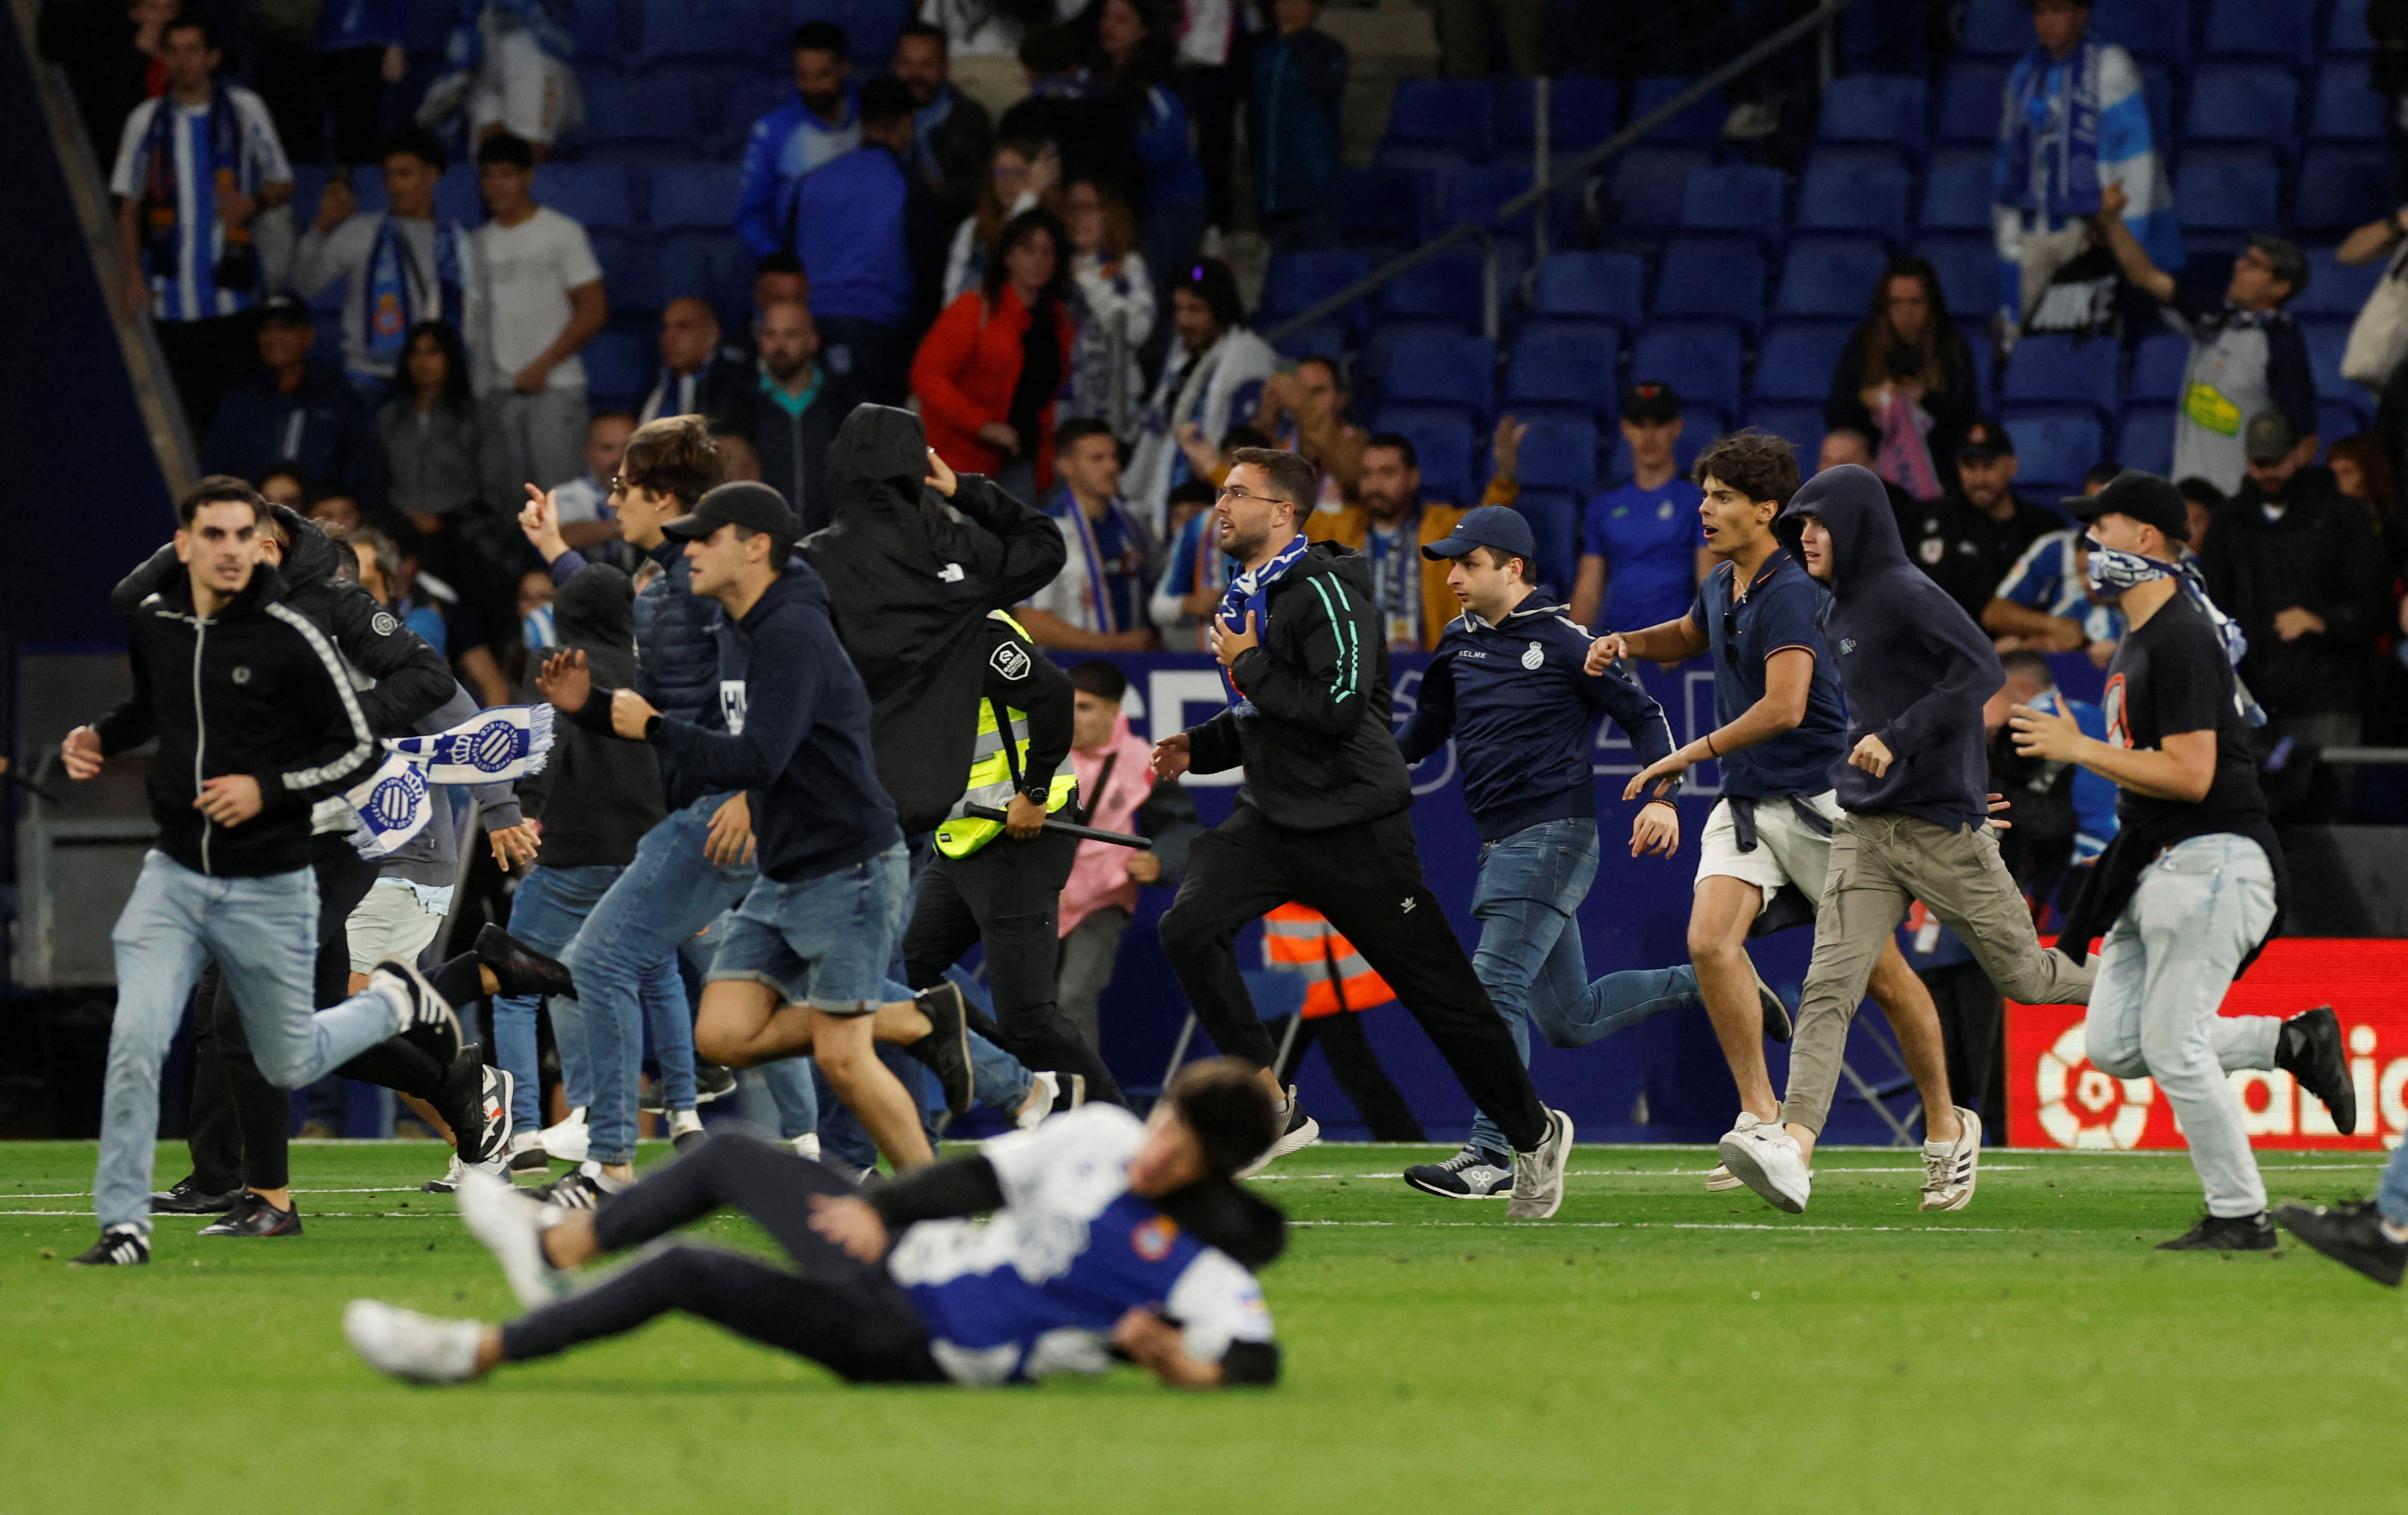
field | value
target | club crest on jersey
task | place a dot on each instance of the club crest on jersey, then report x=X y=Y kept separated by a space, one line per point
x=241 y=674
x=1533 y=656
x=1010 y=662
x=1152 y=1239
x=1847 y=645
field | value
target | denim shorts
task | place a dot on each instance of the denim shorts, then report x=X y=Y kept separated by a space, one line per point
x=824 y=942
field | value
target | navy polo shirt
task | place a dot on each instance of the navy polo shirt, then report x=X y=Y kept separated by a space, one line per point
x=1782 y=609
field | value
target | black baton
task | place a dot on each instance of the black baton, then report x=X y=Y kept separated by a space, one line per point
x=1085 y=834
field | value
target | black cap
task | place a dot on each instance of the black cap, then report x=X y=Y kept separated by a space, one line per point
x=754 y=507
x=1986 y=440
x=2145 y=497
x=1500 y=526
x=2268 y=438
x=1650 y=401
x=285 y=310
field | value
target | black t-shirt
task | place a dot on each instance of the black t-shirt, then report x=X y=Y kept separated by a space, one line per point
x=2170 y=676
x=1966 y=551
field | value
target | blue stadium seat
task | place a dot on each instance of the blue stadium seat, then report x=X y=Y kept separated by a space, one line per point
x=1372 y=358
x=1996 y=29
x=1565 y=369
x=2345 y=110
x=1456 y=370
x=736 y=30
x=1474 y=194
x=2279 y=30
x=642 y=120
x=1443 y=446
x=2334 y=289
x=2159 y=363
x=1848 y=191
x=1800 y=425
x=1649 y=183
x=619 y=368
x=2343 y=185
x=1560 y=455
x=1712 y=276
x=2245 y=102
x=1606 y=285
x=1456 y=115
x=2327 y=337
x=2146 y=439
x=1389 y=209
x=1956 y=191
x=1315 y=339
x=2054 y=446
x=2227 y=189
x=1701 y=122
x=2158 y=89
x=2347 y=33
x=1580 y=113
x=1700 y=359
x=1554 y=517
x=2050 y=369
x=1880 y=109
x=1829 y=276
x=1450 y=286
x=742 y=103
x=1736 y=199
x=595 y=23
x=2147 y=29
x=1295 y=282
x=1985 y=359
x=694 y=196
x=712 y=264
x=1968 y=266
x=870 y=26
x=631 y=271
x=1972 y=100
x=592 y=192
x=2345 y=417
x=1798 y=360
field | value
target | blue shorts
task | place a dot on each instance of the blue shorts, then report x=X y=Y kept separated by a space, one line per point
x=824 y=942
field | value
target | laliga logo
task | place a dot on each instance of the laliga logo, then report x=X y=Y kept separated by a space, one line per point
x=2088 y=1108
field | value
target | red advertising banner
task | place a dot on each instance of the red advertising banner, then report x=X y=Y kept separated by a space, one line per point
x=2056 y=1098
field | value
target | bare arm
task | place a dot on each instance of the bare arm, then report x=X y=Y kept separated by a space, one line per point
x=1672 y=642
x=1788 y=678
x=1588 y=590
x=2184 y=769
x=2004 y=617
x=1050 y=631
x=2129 y=255
x=2371 y=241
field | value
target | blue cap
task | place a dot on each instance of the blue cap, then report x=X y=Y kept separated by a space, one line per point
x=1500 y=526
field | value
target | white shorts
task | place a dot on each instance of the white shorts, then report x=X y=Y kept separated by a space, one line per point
x=522 y=88
x=396 y=920
x=1787 y=850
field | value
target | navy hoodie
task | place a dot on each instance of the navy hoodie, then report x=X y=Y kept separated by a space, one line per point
x=1916 y=669
x=797 y=736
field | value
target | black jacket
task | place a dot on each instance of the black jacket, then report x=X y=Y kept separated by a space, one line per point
x=2321 y=556
x=1953 y=408
x=334 y=441
x=597 y=795
x=256 y=689
x=794 y=447
x=1319 y=752
x=909 y=580
x=1915 y=668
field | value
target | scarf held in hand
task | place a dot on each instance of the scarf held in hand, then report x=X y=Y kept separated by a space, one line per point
x=392 y=804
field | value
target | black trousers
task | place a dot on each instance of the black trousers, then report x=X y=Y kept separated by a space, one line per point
x=205 y=358
x=847 y=1315
x=1973 y=1027
x=1008 y=896
x=1368 y=881
x=1356 y=1067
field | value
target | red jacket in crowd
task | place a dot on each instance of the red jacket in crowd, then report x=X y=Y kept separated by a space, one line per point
x=964 y=375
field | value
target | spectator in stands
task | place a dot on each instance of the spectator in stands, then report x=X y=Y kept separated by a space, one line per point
x=1212 y=463
x=1851 y=445
x=587 y=520
x=2200 y=501
x=700 y=374
x=111 y=55
x=2247 y=353
x=1097 y=602
x=195 y=168
x=789 y=142
x=2362 y=473
x=870 y=233
x=1025 y=174
x=513 y=61
x=1304 y=410
x=1092 y=130
x=1295 y=126
x=1968 y=538
x=983 y=41
x=1463 y=26
x=1214 y=376
x=401 y=265
x=795 y=410
x=2075 y=150
x=1114 y=295
x=988 y=370
x=1132 y=63
x=2045 y=603
x=543 y=303
x=292 y=412
x=337 y=508
x=1390 y=524
x=285 y=485
x=781 y=275
x=1907 y=377
x=341 y=59
x=951 y=135
x=1213 y=68
x=1642 y=548
x=2031 y=681
x=1194 y=571
x=2299 y=567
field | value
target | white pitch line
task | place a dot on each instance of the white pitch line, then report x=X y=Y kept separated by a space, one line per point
x=1618 y=1173
x=306 y=1215
x=1675 y=1226
x=86 y=1194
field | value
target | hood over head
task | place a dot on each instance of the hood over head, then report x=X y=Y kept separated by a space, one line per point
x=877 y=444
x=597 y=608
x=308 y=557
x=1852 y=504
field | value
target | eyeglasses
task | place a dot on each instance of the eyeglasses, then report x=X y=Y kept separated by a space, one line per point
x=1231 y=491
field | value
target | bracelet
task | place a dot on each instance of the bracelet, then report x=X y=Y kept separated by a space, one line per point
x=1709 y=739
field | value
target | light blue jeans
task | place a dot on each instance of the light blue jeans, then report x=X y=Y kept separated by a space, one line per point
x=2391 y=1195
x=2168 y=958
x=669 y=891
x=545 y=913
x=263 y=933
x=1530 y=957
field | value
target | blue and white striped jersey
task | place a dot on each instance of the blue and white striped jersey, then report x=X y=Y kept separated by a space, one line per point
x=192 y=293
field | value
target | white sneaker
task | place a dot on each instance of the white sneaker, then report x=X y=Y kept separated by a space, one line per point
x=1948 y=1166
x=566 y=1142
x=807 y=1145
x=1722 y=1179
x=1538 y=1173
x=407 y=1344
x=1768 y=1159
x=1298 y=1131
x=1039 y=1103
x=510 y=1224
x=685 y=1129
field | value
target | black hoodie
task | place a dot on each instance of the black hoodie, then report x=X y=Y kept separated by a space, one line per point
x=1915 y=668
x=598 y=795
x=910 y=582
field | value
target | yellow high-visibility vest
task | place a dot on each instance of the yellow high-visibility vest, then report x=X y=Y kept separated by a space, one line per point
x=1001 y=750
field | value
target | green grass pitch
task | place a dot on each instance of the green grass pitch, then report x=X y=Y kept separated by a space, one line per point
x=1654 y=1348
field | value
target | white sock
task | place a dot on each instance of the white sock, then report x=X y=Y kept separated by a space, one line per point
x=602 y=1180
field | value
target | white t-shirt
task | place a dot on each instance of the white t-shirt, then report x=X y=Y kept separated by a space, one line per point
x=528 y=271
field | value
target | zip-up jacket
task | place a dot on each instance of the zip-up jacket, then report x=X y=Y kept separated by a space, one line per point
x=1522 y=710
x=1915 y=668
x=1319 y=752
x=256 y=689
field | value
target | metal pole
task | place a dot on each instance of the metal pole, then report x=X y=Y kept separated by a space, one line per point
x=1539 y=143
x=1489 y=322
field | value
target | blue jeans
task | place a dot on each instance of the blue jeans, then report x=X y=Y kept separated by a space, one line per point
x=263 y=935
x=2391 y=1195
x=545 y=913
x=669 y=891
x=1530 y=957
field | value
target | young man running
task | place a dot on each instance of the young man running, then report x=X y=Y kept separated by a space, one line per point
x=1106 y=1234
x=1768 y=842
x=1509 y=685
x=1324 y=819
x=2190 y=888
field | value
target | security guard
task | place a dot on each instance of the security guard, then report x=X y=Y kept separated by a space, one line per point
x=1000 y=882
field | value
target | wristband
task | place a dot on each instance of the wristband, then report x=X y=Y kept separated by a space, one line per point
x=1709 y=739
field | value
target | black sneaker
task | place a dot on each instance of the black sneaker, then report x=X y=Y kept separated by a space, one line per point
x=2351 y=1235
x=2309 y=1049
x=520 y=969
x=946 y=1050
x=255 y=1217
x=579 y=1191
x=427 y=1020
x=119 y=1246
x=189 y=1198
x=711 y=1082
x=531 y=1160
x=1470 y=1174
x=2225 y=1234
x=494 y=1125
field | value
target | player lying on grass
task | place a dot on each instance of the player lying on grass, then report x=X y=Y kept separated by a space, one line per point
x=1106 y=1234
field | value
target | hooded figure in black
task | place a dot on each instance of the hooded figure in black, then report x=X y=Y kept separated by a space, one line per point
x=596 y=796
x=912 y=572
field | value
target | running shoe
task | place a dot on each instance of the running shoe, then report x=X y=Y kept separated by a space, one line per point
x=520 y=969
x=407 y=1344
x=1298 y=1131
x=1539 y=1173
x=188 y=1198
x=566 y=1142
x=252 y=1215
x=510 y=1224
x=1470 y=1174
x=2308 y=1048
x=2225 y=1234
x=2351 y=1233
x=1949 y=1167
x=1767 y=1159
x=119 y=1246
x=426 y=1018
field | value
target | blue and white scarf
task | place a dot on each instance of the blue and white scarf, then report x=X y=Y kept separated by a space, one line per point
x=392 y=804
x=392 y=300
x=237 y=264
x=1249 y=594
x=465 y=49
x=2112 y=572
x=2070 y=138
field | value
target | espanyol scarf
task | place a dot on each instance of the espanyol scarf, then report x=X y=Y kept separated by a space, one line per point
x=2039 y=130
x=238 y=266
x=393 y=303
x=2113 y=572
x=505 y=743
x=1249 y=592
x=463 y=51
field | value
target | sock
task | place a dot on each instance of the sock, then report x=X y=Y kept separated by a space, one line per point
x=602 y=1180
x=461 y=1101
x=458 y=981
